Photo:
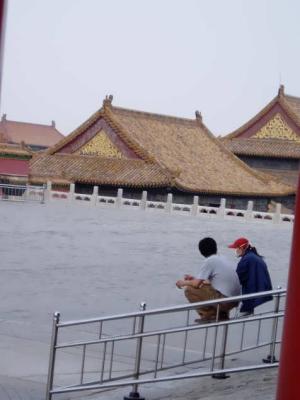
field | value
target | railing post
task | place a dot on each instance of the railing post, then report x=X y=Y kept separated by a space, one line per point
x=119 y=198
x=134 y=394
x=95 y=195
x=26 y=194
x=47 y=193
x=53 y=343
x=194 y=209
x=222 y=375
x=249 y=212
x=143 y=204
x=72 y=192
x=221 y=209
x=168 y=207
x=43 y=194
x=277 y=214
x=271 y=357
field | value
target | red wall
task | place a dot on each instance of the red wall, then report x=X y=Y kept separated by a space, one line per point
x=9 y=166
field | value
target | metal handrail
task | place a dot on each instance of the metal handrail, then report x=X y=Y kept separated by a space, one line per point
x=184 y=307
x=22 y=193
x=173 y=330
x=165 y=378
x=109 y=379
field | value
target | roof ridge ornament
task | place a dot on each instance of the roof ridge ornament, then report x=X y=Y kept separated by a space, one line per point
x=281 y=90
x=198 y=116
x=107 y=102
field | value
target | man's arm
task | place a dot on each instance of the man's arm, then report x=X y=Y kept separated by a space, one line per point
x=189 y=282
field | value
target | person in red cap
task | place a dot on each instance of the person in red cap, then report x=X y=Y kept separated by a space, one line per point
x=253 y=274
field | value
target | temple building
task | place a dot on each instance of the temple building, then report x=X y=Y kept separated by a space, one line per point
x=118 y=147
x=18 y=141
x=270 y=141
x=35 y=136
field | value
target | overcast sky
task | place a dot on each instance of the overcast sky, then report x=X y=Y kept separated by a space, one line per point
x=225 y=58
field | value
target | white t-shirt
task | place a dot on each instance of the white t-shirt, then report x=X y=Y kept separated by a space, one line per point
x=221 y=274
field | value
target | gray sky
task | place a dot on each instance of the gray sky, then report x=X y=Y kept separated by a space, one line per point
x=222 y=57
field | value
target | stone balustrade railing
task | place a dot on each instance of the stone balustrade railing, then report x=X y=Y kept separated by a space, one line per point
x=169 y=207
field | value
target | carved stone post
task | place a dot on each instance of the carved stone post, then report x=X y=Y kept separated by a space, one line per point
x=249 y=211
x=194 y=209
x=143 y=204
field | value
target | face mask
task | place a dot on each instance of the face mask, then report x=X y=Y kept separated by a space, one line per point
x=238 y=253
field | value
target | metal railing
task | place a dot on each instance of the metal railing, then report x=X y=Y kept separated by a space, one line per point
x=146 y=346
x=22 y=193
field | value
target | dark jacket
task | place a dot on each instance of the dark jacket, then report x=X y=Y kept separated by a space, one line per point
x=254 y=277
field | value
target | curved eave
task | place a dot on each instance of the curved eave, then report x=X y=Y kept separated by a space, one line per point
x=263 y=155
x=234 y=193
x=123 y=184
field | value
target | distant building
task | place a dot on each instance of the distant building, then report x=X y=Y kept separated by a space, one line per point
x=35 y=136
x=270 y=141
x=18 y=141
x=117 y=147
x=14 y=163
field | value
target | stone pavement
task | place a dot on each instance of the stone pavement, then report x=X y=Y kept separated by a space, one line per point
x=19 y=389
x=87 y=262
x=245 y=386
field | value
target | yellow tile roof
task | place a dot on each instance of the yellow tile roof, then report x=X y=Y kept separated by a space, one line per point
x=290 y=104
x=97 y=170
x=197 y=161
x=263 y=147
x=290 y=177
x=15 y=149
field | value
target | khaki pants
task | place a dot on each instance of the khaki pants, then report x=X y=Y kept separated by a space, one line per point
x=205 y=293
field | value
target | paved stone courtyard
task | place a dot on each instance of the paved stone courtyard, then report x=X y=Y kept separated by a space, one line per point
x=88 y=262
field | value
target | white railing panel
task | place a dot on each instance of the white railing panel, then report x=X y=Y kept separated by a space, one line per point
x=106 y=200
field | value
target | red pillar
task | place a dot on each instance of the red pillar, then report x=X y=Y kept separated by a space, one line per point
x=288 y=387
x=3 y=8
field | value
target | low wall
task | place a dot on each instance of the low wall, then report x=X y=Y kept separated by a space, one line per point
x=168 y=206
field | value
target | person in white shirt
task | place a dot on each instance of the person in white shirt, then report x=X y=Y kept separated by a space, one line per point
x=217 y=279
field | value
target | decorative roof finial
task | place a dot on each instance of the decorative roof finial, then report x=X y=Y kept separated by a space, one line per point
x=198 y=115
x=281 y=90
x=108 y=100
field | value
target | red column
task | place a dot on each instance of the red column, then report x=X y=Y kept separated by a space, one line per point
x=288 y=387
x=3 y=7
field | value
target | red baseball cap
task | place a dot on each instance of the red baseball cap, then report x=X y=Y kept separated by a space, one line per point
x=238 y=243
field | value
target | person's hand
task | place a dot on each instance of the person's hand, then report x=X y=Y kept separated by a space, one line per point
x=188 y=277
x=180 y=284
x=205 y=282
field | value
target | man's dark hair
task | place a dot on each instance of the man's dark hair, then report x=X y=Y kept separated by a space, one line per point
x=207 y=247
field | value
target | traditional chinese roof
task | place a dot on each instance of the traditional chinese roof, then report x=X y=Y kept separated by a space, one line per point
x=289 y=177
x=97 y=170
x=197 y=161
x=15 y=150
x=275 y=148
x=279 y=119
x=29 y=133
